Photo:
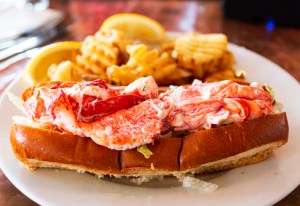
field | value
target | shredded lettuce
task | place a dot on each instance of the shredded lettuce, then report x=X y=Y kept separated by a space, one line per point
x=271 y=91
x=277 y=108
x=152 y=166
x=199 y=185
x=144 y=150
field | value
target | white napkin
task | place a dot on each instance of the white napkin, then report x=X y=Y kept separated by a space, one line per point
x=14 y=21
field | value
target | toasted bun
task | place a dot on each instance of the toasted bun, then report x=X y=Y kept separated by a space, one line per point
x=201 y=152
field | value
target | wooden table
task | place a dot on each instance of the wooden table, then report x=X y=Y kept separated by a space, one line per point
x=282 y=45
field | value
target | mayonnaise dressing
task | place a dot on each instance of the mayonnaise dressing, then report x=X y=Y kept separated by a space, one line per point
x=144 y=86
x=162 y=108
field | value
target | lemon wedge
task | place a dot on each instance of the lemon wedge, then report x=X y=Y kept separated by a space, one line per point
x=54 y=53
x=136 y=26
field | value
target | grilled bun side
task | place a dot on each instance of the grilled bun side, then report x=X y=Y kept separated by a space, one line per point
x=201 y=152
x=215 y=144
x=36 y=147
x=164 y=159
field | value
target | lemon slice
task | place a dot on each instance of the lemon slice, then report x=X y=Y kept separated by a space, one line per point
x=52 y=54
x=136 y=26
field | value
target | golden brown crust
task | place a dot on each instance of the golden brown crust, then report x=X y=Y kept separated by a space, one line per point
x=41 y=144
x=204 y=151
x=251 y=156
x=222 y=142
x=165 y=156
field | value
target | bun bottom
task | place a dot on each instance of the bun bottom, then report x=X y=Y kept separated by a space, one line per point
x=202 y=152
x=252 y=156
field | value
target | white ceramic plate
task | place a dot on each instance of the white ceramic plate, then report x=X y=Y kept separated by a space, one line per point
x=259 y=184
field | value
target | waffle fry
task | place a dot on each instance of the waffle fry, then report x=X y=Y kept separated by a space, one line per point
x=225 y=62
x=168 y=45
x=100 y=51
x=223 y=69
x=109 y=55
x=122 y=75
x=143 y=62
x=64 y=71
x=225 y=74
x=194 y=51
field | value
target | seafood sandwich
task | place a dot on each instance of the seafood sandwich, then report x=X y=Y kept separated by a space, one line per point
x=139 y=130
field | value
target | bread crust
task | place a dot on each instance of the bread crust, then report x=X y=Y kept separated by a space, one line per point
x=31 y=143
x=200 y=148
x=201 y=152
x=165 y=157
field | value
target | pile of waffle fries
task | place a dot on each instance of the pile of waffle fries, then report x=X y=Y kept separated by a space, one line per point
x=177 y=60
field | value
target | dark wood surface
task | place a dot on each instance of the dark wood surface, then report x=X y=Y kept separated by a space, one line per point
x=281 y=45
